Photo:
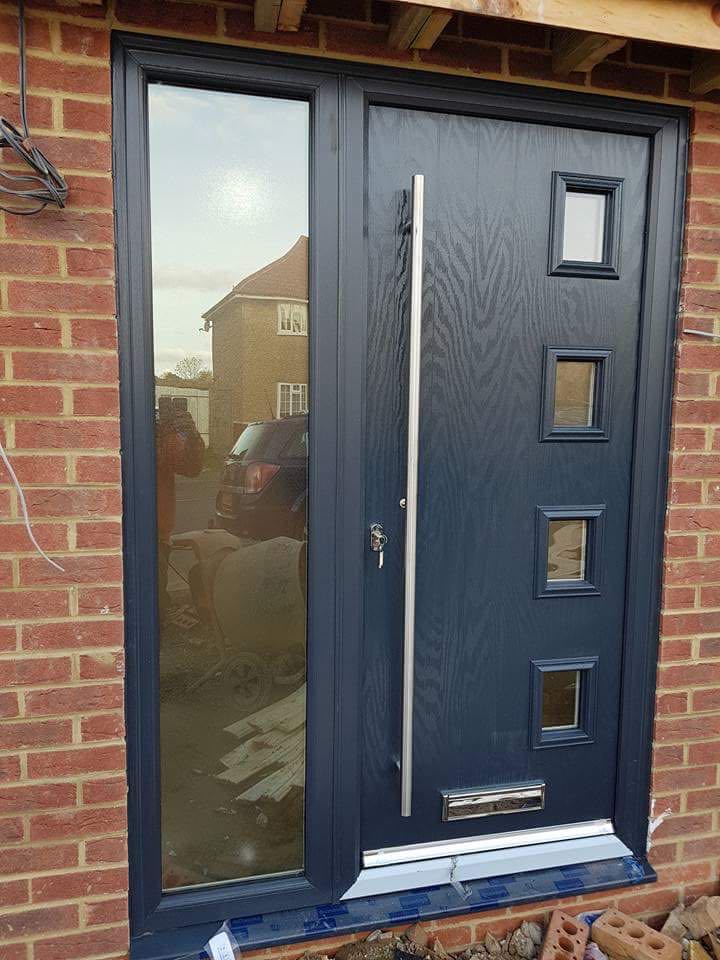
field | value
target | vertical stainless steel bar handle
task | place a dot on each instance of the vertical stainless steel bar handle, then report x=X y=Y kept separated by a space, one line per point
x=408 y=667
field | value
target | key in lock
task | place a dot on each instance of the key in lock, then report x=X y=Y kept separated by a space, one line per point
x=378 y=540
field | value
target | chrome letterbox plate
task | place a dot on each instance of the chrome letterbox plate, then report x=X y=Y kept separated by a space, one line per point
x=487 y=801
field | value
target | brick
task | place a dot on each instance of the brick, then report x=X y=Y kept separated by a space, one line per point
x=61 y=75
x=26 y=331
x=682 y=547
x=109 y=790
x=704 y=184
x=705 y=123
x=705 y=847
x=702 y=727
x=81 y=823
x=71 y=226
x=704 y=154
x=703 y=800
x=30 y=671
x=704 y=752
x=34 y=733
x=565 y=938
x=91 y=118
x=672 y=703
x=33 y=604
x=706 y=700
x=691 y=674
x=681 y=826
x=475 y=57
x=88 y=883
x=9 y=707
x=99 y=600
x=67 y=434
x=86 y=262
x=614 y=76
x=107 y=911
x=703 y=242
x=84 y=41
x=493 y=30
x=28 y=923
x=37 y=32
x=14 y=860
x=64 y=297
x=102 y=666
x=19 y=259
x=78 y=946
x=196 y=18
x=12 y=894
x=9 y=767
x=89 y=332
x=685 y=491
x=624 y=937
x=14 y=537
x=77 y=699
x=710 y=647
x=65 y=367
x=107 y=850
x=89 y=190
x=687 y=382
x=96 y=402
x=40 y=113
x=692 y=572
x=239 y=26
x=670 y=780
x=71 y=635
x=660 y=55
x=12 y=829
x=70 y=763
x=679 y=624
x=73 y=501
x=97 y=469
x=104 y=726
x=21 y=401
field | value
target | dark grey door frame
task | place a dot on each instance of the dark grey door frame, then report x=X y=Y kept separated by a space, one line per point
x=333 y=851
x=666 y=130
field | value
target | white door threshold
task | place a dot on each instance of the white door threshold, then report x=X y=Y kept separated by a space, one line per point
x=519 y=852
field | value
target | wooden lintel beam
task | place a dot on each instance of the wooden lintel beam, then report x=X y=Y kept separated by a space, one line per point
x=574 y=50
x=688 y=23
x=705 y=74
x=417 y=27
x=272 y=15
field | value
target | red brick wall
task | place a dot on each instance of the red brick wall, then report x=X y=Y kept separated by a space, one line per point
x=62 y=783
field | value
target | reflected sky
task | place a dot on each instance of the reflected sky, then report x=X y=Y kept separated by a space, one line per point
x=225 y=201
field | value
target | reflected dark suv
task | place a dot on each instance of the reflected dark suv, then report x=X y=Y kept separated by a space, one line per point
x=263 y=490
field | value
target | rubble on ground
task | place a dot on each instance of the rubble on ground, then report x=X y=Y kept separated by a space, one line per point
x=689 y=933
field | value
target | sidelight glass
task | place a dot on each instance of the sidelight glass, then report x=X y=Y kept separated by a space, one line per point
x=574 y=393
x=229 y=225
x=584 y=226
x=567 y=547
x=560 y=699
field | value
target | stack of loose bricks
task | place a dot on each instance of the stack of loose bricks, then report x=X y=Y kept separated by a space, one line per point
x=619 y=937
x=63 y=886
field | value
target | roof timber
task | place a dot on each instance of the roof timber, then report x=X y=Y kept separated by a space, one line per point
x=574 y=50
x=272 y=15
x=688 y=23
x=416 y=26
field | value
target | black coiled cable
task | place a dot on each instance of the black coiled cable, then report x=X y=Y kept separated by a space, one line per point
x=28 y=193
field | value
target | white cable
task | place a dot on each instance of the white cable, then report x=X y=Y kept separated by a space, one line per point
x=23 y=507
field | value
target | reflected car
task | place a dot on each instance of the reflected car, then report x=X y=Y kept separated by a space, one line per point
x=263 y=490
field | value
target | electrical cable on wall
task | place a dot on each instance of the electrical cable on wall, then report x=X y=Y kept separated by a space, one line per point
x=23 y=507
x=27 y=193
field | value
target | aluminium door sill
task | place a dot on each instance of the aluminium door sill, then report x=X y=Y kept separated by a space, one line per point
x=475 y=858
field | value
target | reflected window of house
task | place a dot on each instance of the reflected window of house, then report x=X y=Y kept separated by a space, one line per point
x=292 y=319
x=292 y=399
x=230 y=273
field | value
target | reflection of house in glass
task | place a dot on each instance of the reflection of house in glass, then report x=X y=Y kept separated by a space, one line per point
x=259 y=347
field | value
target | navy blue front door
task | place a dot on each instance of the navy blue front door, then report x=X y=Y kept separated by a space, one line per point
x=533 y=261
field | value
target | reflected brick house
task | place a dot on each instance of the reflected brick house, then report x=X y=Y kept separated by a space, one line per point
x=259 y=347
